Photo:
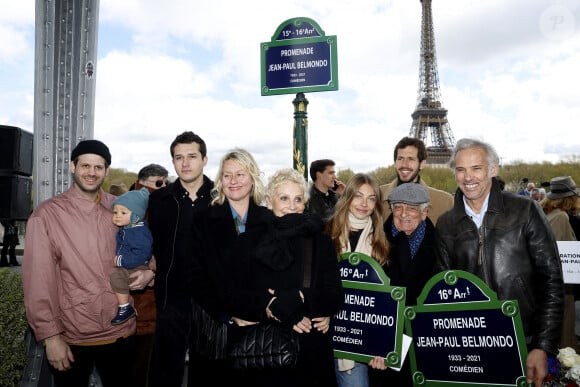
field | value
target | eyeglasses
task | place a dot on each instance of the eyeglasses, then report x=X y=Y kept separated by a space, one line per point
x=160 y=183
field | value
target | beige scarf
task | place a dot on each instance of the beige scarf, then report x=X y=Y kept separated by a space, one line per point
x=363 y=246
x=364 y=242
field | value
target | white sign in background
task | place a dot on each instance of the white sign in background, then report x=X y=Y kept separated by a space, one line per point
x=570 y=258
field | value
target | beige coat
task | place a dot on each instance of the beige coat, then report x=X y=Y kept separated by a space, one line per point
x=560 y=223
x=440 y=201
x=562 y=230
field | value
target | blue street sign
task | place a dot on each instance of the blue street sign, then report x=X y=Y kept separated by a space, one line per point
x=371 y=321
x=300 y=58
x=464 y=336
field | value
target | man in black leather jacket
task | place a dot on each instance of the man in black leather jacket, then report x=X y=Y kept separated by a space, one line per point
x=505 y=240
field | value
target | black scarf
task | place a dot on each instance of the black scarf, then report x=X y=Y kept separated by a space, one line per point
x=274 y=250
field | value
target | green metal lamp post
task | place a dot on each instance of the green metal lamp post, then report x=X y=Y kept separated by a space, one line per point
x=300 y=151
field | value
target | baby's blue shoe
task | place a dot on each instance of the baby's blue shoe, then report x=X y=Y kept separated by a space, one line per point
x=124 y=313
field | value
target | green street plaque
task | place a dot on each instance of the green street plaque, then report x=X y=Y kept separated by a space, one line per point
x=464 y=336
x=299 y=58
x=371 y=321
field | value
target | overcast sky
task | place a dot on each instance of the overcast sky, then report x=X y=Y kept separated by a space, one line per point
x=508 y=72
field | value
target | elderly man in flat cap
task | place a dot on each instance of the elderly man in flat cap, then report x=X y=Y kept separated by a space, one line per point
x=70 y=244
x=411 y=236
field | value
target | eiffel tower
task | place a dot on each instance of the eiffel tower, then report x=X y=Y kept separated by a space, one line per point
x=430 y=118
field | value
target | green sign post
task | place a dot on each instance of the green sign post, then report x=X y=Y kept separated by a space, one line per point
x=299 y=156
x=300 y=58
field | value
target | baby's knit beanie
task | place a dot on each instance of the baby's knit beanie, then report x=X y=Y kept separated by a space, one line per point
x=136 y=201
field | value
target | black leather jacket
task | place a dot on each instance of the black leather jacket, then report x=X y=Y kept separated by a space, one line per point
x=515 y=254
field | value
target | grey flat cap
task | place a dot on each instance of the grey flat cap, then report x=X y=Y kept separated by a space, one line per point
x=409 y=193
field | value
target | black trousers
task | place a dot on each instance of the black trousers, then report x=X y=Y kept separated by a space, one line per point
x=142 y=360
x=110 y=361
x=218 y=371
x=8 y=250
x=170 y=343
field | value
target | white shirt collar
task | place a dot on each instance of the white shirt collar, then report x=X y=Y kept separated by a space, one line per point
x=477 y=218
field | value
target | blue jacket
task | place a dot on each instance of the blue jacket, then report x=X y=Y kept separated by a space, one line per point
x=134 y=246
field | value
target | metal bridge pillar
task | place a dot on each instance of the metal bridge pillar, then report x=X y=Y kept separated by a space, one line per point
x=64 y=88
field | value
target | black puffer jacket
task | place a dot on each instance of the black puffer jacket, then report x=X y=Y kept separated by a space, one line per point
x=515 y=254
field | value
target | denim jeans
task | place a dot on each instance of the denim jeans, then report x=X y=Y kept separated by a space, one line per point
x=356 y=377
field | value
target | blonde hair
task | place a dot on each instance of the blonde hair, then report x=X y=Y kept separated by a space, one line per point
x=247 y=161
x=286 y=175
x=339 y=227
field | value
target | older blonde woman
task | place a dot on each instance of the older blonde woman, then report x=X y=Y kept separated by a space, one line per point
x=267 y=279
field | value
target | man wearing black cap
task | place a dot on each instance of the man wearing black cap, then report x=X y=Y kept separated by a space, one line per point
x=70 y=245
